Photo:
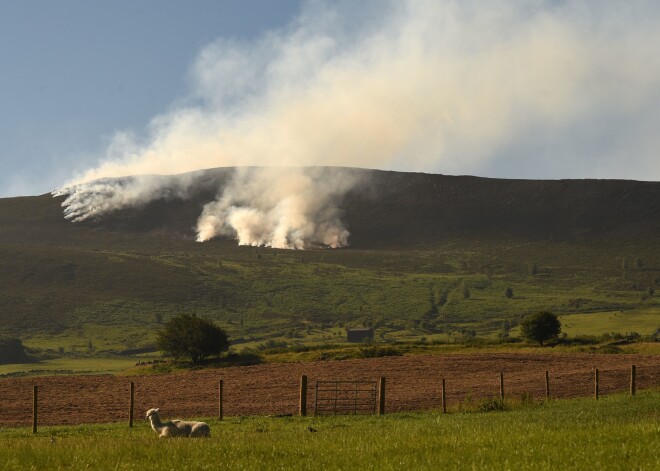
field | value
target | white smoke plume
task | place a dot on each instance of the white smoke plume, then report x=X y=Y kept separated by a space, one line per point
x=427 y=85
x=94 y=199
x=281 y=208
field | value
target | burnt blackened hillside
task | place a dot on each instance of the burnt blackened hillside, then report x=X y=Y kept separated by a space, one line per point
x=412 y=208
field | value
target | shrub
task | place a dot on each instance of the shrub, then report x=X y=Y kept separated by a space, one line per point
x=610 y=348
x=444 y=296
x=271 y=344
x=532 y=269
x=540 y=327
x=193 y=337
x=377 y=352
x=656 y=335
x=490 y=405
x=11 y=350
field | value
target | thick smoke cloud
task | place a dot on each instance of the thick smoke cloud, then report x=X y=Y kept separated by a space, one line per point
x=448 y=86
x=296 y=209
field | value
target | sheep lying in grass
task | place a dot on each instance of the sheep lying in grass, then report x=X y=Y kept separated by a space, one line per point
x=176 y=428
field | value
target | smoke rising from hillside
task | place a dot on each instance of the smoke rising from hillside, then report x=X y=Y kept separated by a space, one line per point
x=94 y=199
x=296 y=210
x=426 y=85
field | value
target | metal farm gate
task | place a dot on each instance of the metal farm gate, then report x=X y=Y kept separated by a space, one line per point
x=345 y=397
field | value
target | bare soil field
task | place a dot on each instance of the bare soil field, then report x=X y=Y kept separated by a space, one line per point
x=413 y=383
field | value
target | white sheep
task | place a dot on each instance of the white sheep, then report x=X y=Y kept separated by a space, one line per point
x=176 y=428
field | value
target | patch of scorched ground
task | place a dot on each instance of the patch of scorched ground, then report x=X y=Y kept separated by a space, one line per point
x=413 y=383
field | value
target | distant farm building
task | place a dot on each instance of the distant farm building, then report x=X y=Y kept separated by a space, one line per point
x=359 y=335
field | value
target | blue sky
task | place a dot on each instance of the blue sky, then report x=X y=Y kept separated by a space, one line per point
x=76 y=71
x=508 y=88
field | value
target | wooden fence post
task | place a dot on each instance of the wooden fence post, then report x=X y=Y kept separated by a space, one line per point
x=381 y=396
x=547 y=385
x=220 y=391
x=132 y=404
x=633 y=385
x=303 y=396
x=596 y=383
x=501 y=386
x=35 y=394
x=444 y=397
x=316 y=398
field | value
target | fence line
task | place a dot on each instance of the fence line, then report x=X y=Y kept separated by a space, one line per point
x=400 y=396
x=220 y=398
x=444 y=397
x=345 y=397
x=501 y=386
x=132 y=405
x=381 y=396
x=35 y=402
x=302 y=407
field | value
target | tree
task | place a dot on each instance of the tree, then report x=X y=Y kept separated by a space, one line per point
x=193 y=337
x=11 y=350
x=532 y=269
x=444 y=296
x=508 y=292
x=540 y=327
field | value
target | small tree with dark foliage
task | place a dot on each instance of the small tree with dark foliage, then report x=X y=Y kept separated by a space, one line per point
x=192 y=337
x=540 y=327
x=11 y=350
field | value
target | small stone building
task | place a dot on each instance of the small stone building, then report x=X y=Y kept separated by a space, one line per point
x=358 y=335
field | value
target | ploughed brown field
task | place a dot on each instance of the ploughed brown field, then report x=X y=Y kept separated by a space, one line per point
x=413 y=383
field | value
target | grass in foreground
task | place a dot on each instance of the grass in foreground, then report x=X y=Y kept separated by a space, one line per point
x=617 y=432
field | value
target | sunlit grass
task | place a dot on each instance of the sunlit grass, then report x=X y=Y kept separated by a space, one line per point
x=642 y=321
x=96 y=365
x=616 y=432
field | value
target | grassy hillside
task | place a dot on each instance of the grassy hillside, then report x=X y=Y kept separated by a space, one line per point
x=430 y=256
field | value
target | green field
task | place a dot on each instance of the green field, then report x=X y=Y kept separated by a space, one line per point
x=65 y=365
x=81 y=301
x=616 y=432
x=277 y=298
x=642 y=321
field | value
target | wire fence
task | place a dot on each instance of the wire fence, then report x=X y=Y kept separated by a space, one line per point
x=345 y=397
x=413 y=383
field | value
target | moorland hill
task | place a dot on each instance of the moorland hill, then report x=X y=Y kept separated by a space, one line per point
x=429 y=255
x=395 y=209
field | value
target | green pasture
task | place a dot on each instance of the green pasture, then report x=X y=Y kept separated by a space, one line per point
x=642 y=321
x=615 y=433
x=110 y=293
x=68 y=365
